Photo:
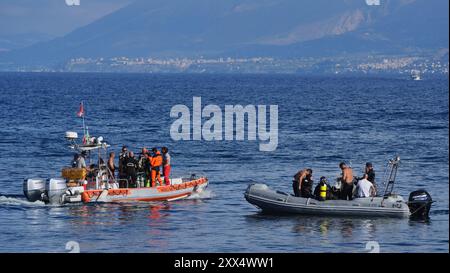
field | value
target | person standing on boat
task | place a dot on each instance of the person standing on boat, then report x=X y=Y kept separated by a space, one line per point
x=155 y=166
x=144 y=166
x=369 y=174
x=75 y=161
x=131 y=165
x=365 y=188
x=122 y=158
x=111 y=165
x=81 y=161
x=166 y=165
x=346 y=182
x=302 y=183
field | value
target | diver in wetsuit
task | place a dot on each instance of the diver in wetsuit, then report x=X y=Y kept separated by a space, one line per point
x=131 y=165
x=302 y=183
x=347 y=182
x=322 y=190
x=144 y=168
x=122 y=162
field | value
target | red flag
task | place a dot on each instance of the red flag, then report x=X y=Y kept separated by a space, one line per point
x=81 y=111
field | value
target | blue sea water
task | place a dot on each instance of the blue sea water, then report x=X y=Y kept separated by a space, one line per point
x=322 y=121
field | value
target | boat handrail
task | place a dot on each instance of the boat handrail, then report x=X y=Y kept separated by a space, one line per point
x=390 y=175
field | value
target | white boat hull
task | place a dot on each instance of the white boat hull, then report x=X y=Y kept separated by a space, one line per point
x=57 y=192
x=160 y=193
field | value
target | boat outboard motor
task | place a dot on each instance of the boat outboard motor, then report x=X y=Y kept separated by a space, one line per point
x=33 y=189
x=419 y=204
x=55 y=189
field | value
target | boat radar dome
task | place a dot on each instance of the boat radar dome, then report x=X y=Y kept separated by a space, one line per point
x=71 y=135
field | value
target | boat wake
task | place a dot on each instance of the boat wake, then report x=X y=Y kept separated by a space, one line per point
x=14 y=200
x=205 y=194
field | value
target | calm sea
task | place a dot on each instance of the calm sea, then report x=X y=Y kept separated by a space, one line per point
x=322 y=121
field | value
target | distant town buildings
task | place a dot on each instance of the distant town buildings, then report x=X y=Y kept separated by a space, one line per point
x=370 y=65
x=337 y=65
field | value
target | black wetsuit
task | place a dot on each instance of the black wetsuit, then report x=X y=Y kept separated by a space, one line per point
x=122 y=165
x=305 y=191
x=131 y=165
x=295 y=188
x=346 y=191
x=307 y=188
x=144 y=167
x=371 y=176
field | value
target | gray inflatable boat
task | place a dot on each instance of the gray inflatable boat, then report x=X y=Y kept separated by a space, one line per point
x=272 y=201
x=387 y=205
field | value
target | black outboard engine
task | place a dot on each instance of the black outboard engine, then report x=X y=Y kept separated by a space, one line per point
x=419 y=204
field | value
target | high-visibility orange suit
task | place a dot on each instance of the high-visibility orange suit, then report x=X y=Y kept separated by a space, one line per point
x=155 y=165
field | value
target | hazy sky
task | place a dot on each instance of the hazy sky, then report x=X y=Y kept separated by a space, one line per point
x=52 y=17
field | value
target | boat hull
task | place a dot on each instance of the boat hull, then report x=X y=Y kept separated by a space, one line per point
x=282 y=203
x=160 y=193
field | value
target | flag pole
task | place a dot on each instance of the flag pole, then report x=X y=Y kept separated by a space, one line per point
x=82 y=116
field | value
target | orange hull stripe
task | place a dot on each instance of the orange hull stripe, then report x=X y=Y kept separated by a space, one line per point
x=148 y=199
x=127 y=191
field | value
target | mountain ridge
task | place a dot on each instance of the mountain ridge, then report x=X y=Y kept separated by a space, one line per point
x=276 y=28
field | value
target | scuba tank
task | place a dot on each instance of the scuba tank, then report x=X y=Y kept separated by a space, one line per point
x=323 y=189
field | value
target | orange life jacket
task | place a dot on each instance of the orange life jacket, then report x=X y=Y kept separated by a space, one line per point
x=156 y=160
